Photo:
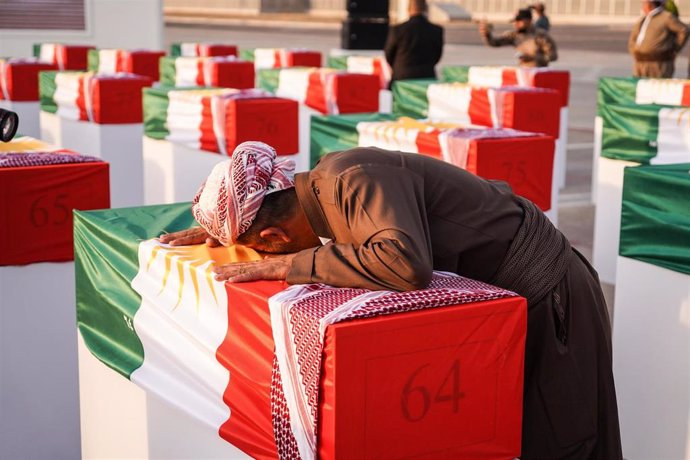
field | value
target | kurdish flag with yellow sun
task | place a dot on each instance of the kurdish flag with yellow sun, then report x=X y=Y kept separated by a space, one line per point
x=155 y=314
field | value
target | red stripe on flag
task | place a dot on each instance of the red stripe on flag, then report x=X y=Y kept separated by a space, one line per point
x=480 y=107
x=247 y=352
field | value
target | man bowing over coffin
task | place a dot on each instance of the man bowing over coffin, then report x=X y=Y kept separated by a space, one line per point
x=375 y=219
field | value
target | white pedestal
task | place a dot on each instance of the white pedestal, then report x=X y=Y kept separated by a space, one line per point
x=28 y=117
x=119 y=145
x=651 y=360
x=302 y=159
x=561 y=158
x=174 y=172
x=598 y=134
x=39 y=396
x=386 y=101
x=552 y=213
x=607 y=216
x=119 y=420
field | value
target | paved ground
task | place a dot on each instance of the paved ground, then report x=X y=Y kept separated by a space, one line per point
x=589 y=52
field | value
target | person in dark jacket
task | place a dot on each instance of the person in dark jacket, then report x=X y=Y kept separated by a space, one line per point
x=413 y=48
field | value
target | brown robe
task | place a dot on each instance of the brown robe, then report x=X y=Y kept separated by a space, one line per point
x=394 y=217
x=655 y=56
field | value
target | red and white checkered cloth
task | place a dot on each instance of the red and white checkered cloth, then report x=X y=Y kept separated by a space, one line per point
x=299 y=318
x=57 y=157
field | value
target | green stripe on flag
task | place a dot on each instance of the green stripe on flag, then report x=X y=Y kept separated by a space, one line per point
x=36 y=49
x=655 y=217
x=46 y=91
x=166 y=67
x=106 y=247
x=455 y=74
x=616 y=91
x=156 y=111
x=630 y=132
x=268 y=79
x=409 y=98
x=332 y=133
x=247 y=54
x=337 y=62
x=176 y=49
x=94 y=59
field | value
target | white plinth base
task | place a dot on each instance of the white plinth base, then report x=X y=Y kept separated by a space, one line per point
x=39 y=396
x=561 y=158
x=596 y=154
x=173 y=172
x=119 y=420
x=607 y=216
x=385 y=101
x=119 y=145
x=28 y=117
x=302 y=160
x=651 y=360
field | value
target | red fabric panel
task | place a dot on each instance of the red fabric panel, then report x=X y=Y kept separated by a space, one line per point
x=81 y=100
x=536 y=111
x=247 y=352
x=357 y=93
x=208 y=140
x=303 y=59
x=316 y=92
x=427 y=144
x=143 y=63
x=509 y=77
x=271 y=120
x=558 y=80
x=74 y=57
x=118 y=100
x=238 y=75
x=440 y=383
x=22 y=80
x=217 y=50
x=686 y=96
x=480 y=107
x=526 y=163
x=36 y=206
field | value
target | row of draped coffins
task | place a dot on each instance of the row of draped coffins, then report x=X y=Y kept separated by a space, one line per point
x=301 y=111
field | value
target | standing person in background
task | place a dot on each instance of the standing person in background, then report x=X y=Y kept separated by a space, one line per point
x=413 y=48
x=534 y=47
x=655 y=40
x=542 y=22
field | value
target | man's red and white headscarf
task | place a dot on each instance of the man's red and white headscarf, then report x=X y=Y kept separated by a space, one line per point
x=228 y=201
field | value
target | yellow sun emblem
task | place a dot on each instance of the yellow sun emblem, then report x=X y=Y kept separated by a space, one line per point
x=190 y=259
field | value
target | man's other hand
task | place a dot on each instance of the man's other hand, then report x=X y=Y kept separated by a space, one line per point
x=270 y=268
x=196 y=235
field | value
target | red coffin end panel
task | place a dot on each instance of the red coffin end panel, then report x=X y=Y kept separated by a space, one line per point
x=441 y=383
x=144 y=63
x=22 y=80
x=118 y=100
x=238 y=75
x=357 y=93
x=537 y=111
x=38 y=202
x=74 y=57
x=526 y=164
x=219 y=50
x=304 y=59
x=558 y=80
x=271 y=120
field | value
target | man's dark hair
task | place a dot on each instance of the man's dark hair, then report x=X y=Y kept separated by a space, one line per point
x=275 y=209
x=420 y=5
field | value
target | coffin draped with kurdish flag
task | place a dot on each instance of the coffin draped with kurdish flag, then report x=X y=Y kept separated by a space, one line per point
x=272 y=370
x=523 y=160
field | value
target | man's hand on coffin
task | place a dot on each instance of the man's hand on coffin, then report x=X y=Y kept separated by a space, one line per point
x=196 y=235
x=270 y=268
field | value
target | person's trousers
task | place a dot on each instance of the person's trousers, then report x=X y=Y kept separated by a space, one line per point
x=654 y=69
x=570 y=409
